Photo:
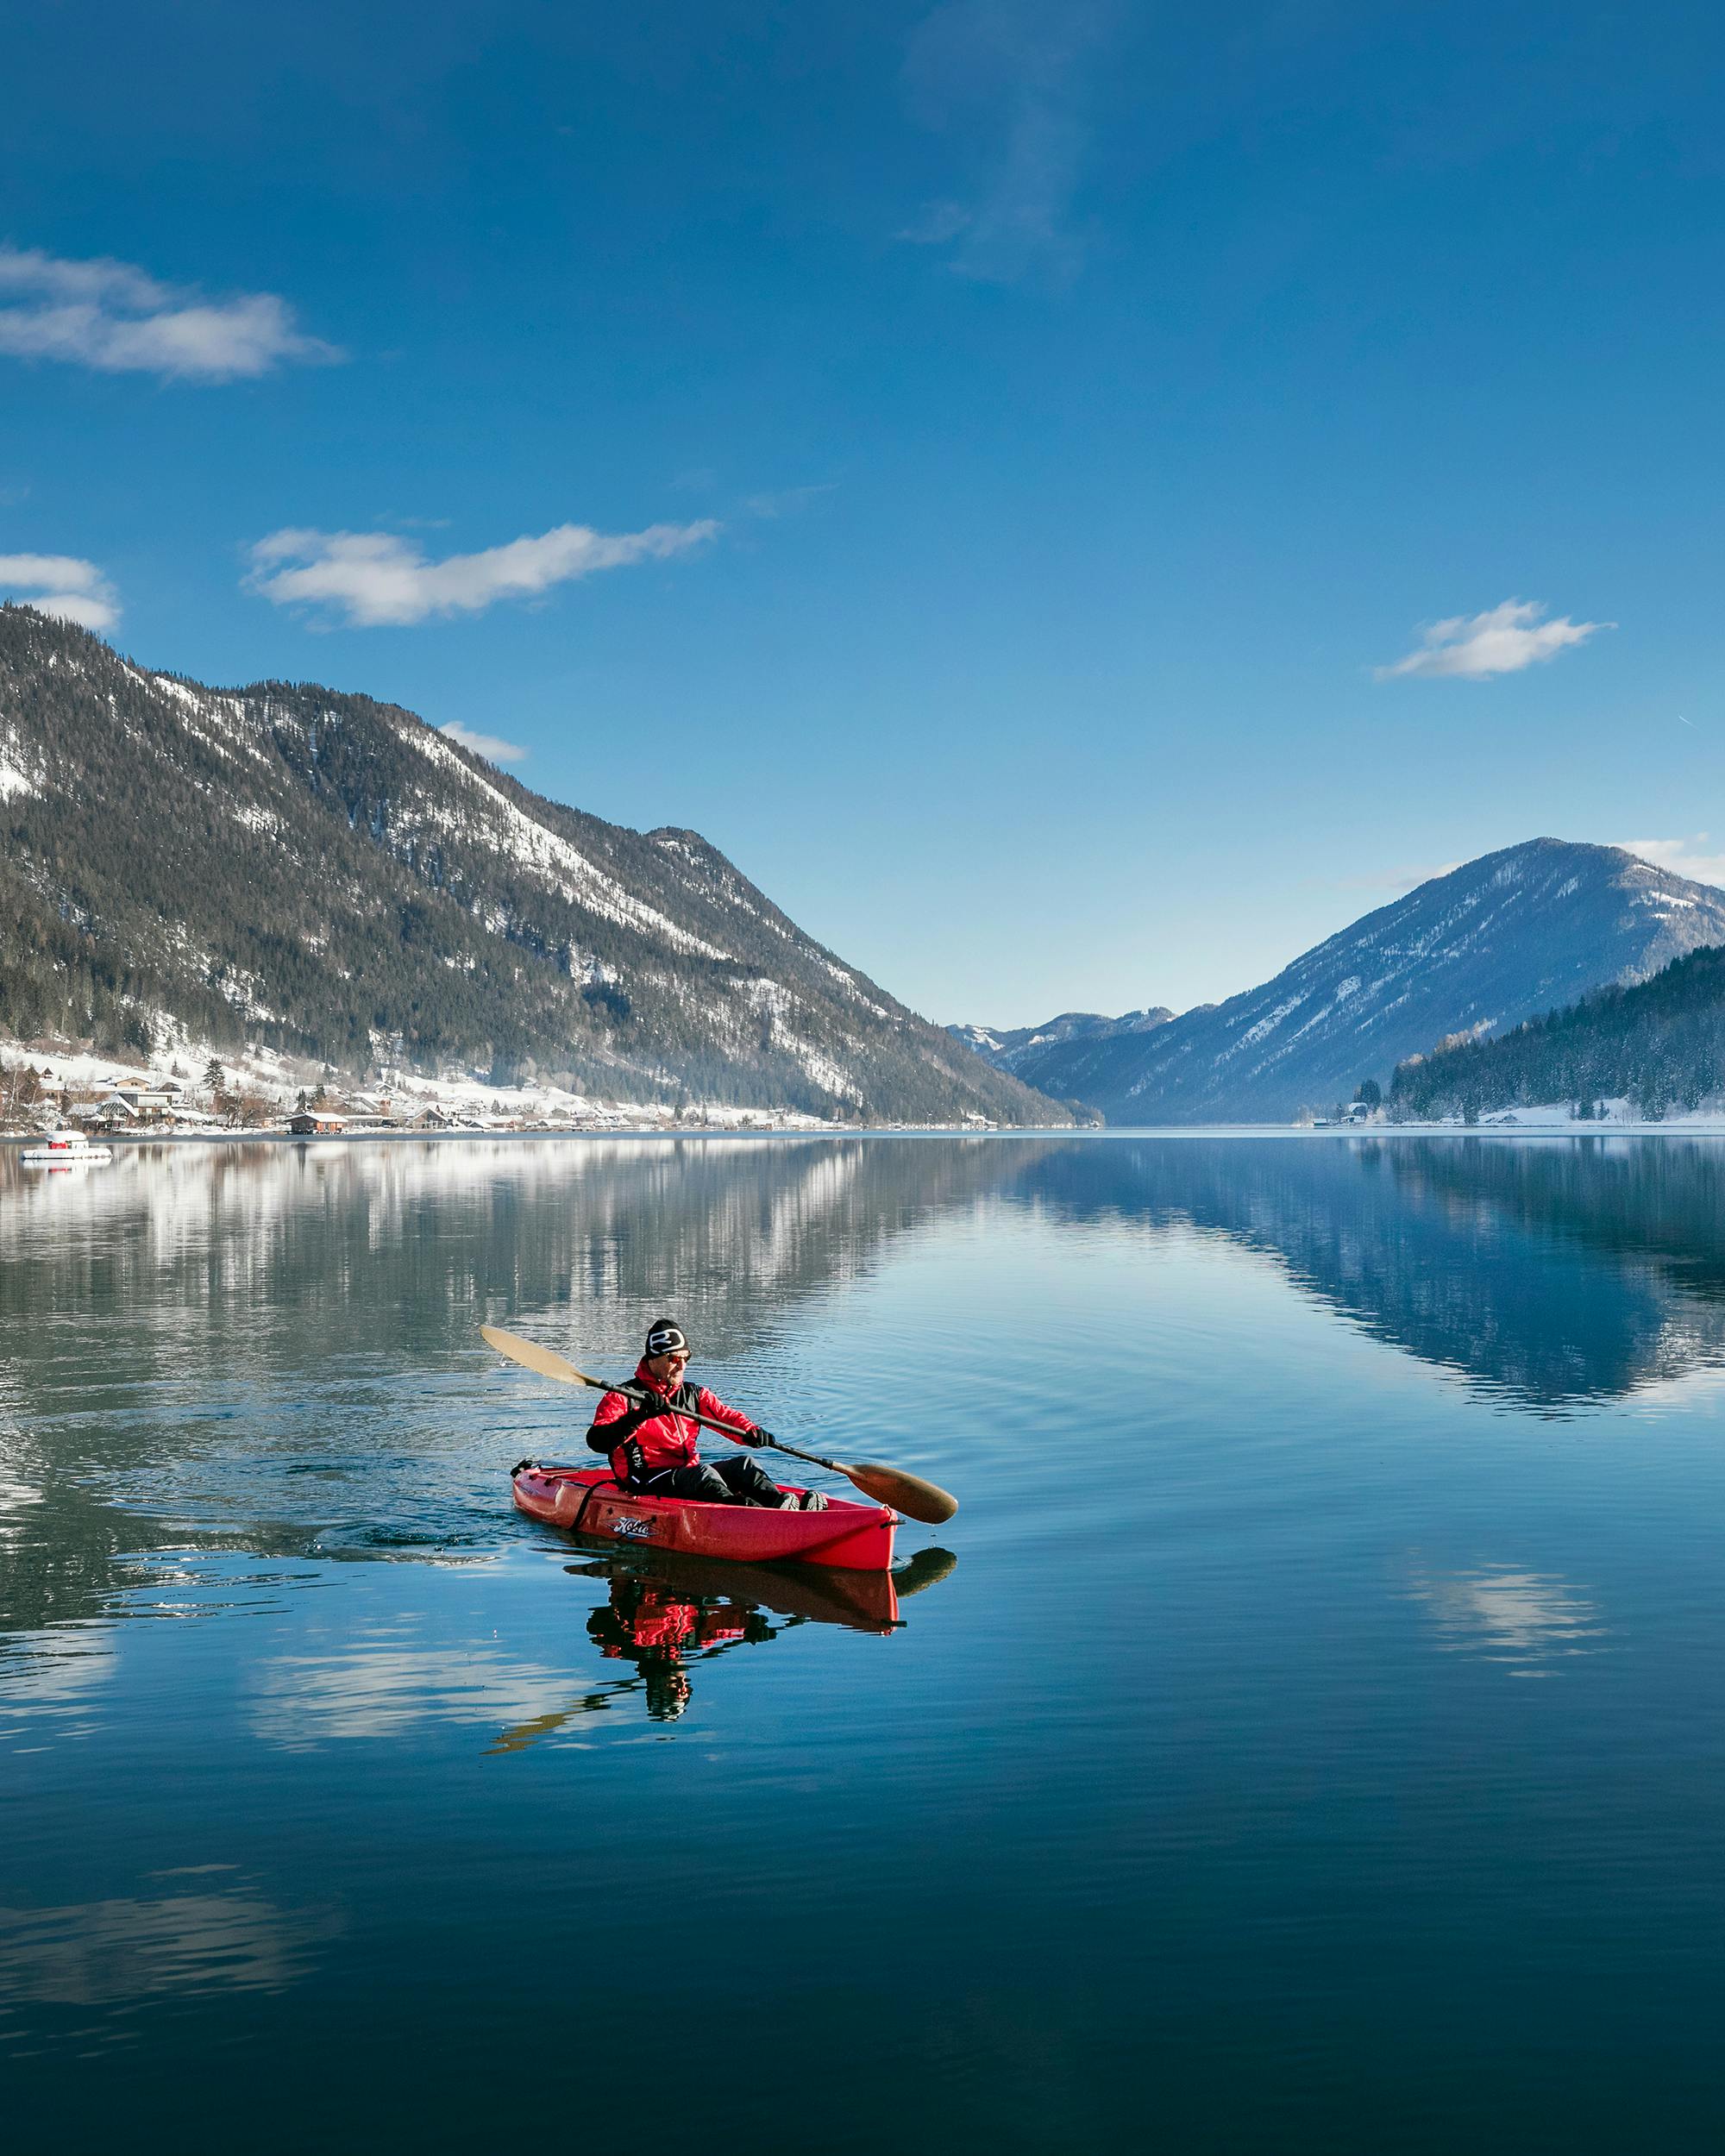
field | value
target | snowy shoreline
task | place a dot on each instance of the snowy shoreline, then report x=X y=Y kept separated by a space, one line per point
x=478 y=1109
x=396 y=1104
x=1526 y=1125
x=329 y=1140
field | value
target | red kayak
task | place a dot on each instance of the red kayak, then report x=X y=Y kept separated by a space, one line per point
x=588 y=1501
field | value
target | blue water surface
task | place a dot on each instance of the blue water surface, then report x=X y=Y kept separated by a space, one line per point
x=1308 y=1735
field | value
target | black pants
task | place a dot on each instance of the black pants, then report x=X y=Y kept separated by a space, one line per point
x=736 y=1481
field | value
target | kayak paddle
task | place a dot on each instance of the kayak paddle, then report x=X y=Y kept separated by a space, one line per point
x=907 y=1493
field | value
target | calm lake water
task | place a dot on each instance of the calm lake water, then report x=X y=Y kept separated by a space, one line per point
x=1318 y=1743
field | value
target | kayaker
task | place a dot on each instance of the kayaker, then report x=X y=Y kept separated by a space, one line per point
x=653 y=1448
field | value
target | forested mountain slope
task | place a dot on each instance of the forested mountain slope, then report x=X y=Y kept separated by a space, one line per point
x=1660 y=1045
x=1498 y=940
x=328 y=876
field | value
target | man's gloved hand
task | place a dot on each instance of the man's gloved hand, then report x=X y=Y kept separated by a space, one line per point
x=757 y=1437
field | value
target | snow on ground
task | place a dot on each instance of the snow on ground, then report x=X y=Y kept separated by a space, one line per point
x=470 y=1099
x=534 y=847
x=79 y=1070
x=1557 y=1115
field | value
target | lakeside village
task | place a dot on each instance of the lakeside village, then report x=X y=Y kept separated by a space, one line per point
x=42 y=1091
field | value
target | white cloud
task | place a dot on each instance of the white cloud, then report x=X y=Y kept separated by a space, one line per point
x=1009 y=83
x=489 y=746
x=119 y=320
x=376 y=579
x=1683 y=856
x=62 y=585
x=1503 y=640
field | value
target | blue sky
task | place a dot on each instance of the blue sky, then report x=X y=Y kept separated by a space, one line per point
x=981 y=464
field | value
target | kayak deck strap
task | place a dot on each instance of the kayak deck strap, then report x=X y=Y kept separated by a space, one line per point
x=588 y=1494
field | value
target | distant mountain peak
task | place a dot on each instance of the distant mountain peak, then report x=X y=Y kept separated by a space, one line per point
x=1008 y=1047
x=1501 y=938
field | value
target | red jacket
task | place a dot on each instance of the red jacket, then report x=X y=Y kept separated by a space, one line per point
x=664 y=1439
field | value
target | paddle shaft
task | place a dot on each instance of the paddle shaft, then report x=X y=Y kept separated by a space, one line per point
x=736 y=1436
x=569 y=1374
x=910 y=1493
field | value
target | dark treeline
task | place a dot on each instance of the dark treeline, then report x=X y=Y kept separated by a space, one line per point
x=1660 y=1045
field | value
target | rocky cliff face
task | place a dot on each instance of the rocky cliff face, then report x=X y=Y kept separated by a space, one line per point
x=328 y=876
x=1501 y=939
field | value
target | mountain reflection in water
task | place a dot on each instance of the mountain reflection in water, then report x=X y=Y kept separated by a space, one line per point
x=1552 y=1272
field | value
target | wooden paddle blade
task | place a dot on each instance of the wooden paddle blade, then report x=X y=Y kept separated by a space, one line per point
x=541 y=1360
x=907 y=1493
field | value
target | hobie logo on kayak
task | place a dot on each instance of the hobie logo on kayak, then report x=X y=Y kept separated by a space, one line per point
x=636 y=1530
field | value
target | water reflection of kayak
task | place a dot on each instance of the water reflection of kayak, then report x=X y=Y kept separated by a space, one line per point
x=587 y=1501
x=666 y=1612
x=865 y=1602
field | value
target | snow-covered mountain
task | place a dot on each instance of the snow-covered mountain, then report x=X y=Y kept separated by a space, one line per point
x=1006 y=1046
x=1498 y=940
x=328 y=876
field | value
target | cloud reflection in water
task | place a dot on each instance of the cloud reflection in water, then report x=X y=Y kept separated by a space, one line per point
x=1523 y=1620
x=56 y=1675
x=305 y=1700
x=98 y=1952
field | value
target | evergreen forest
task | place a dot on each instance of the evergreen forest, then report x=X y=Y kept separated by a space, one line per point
x=1659 y=1044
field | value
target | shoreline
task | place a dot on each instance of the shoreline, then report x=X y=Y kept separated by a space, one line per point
x=1693 y=1127
x=330 y=1139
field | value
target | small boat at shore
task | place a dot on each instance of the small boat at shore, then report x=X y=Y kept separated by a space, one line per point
x=590 y=1501
x=67 y=1149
